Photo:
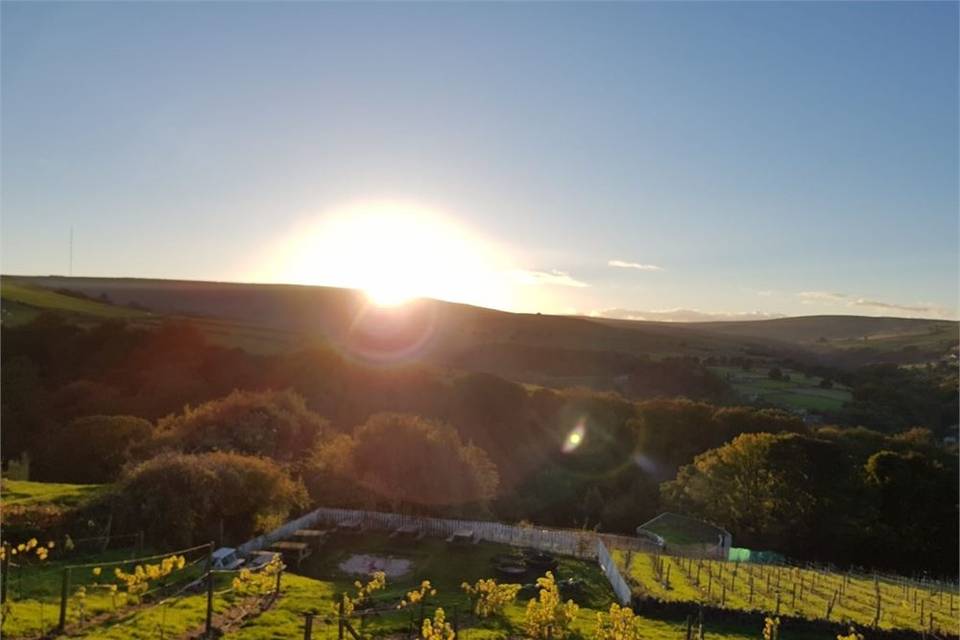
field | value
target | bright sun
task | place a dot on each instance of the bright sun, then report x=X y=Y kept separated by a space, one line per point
x=396 y=253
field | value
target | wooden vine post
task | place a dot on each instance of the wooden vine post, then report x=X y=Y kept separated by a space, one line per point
x=64 y=594
x=208 y=626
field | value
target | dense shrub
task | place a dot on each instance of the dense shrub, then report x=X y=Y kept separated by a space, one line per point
x=91 y=450
x=405 y=461
x=183 y=499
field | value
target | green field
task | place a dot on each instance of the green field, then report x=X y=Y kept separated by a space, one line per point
x=800 y=392
x=27 y=300
x=22 y=303
x=801 y=592
x=34 y=597
x=26 y=493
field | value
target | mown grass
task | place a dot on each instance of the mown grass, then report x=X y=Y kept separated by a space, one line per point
x=26 y=493
x=800 y=592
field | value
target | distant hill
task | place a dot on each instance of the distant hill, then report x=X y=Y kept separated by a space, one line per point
x=270 y=316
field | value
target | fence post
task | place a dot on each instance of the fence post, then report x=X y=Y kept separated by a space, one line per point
x=340 y=619
x=276 y=591
x=6 y=572
x=420 y=626
x=208 y=626
x=64 y=589
x=308 y=627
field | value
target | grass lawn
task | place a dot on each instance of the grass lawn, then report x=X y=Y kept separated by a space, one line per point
x=25 y=493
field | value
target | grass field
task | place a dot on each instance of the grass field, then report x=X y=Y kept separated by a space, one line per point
x=801 y=592
x=25 y=493
x=27 y=299
x=800 y=392
x=313 y=587
x=22 y=303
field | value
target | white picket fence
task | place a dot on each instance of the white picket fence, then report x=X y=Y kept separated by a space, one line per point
x=586 y=545
x=609 y=567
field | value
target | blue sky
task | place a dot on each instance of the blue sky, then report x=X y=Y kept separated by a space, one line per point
x=756 y=158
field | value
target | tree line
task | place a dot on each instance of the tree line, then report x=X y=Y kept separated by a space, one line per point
x=218 y=439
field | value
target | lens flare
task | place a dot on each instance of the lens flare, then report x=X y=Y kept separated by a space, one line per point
x=575 y=438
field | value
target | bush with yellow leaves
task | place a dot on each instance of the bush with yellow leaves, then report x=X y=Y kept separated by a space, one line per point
x=771 y=629
x=258 y=583
x=378 y=581
x=417 y=595
x=547 y=616
x=438 y=628
x=138 y=582
x=619 y=624
x=490 y=598
x=25 y=550
x=852 y=635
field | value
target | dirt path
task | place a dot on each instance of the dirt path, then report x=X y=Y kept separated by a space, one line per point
x=234 y=617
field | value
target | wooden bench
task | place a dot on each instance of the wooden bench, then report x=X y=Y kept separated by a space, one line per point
x=295 y=551
x=462 y=536
x=349 y=526
x=407 y=531
x=313 y=537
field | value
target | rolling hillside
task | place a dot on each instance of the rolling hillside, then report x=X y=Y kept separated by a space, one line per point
x=274 y=317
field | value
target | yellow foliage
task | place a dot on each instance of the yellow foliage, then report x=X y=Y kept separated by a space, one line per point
x=852 y=635
x=250 y=583
x=771 y=629
x=619 y=624
x=489 y=598
x=417 y=595
x=377 y=582
x=547 y=616
x=438 y=628
x=137 y=583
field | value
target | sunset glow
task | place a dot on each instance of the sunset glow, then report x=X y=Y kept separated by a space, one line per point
x=394 y=253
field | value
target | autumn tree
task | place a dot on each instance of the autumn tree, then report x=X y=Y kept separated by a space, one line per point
x=408 y=461
x=276 y=424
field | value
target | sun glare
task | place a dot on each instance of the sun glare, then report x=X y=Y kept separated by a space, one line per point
x=395 y=253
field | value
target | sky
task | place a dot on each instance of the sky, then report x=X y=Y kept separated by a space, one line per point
x=639 y=160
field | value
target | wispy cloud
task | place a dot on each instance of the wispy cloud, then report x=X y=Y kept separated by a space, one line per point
x=552 y=277
x=810 y=297
x=877 y=304
x=623 y=264
x=764 y=293
x=684 y=315
x=926 y=310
